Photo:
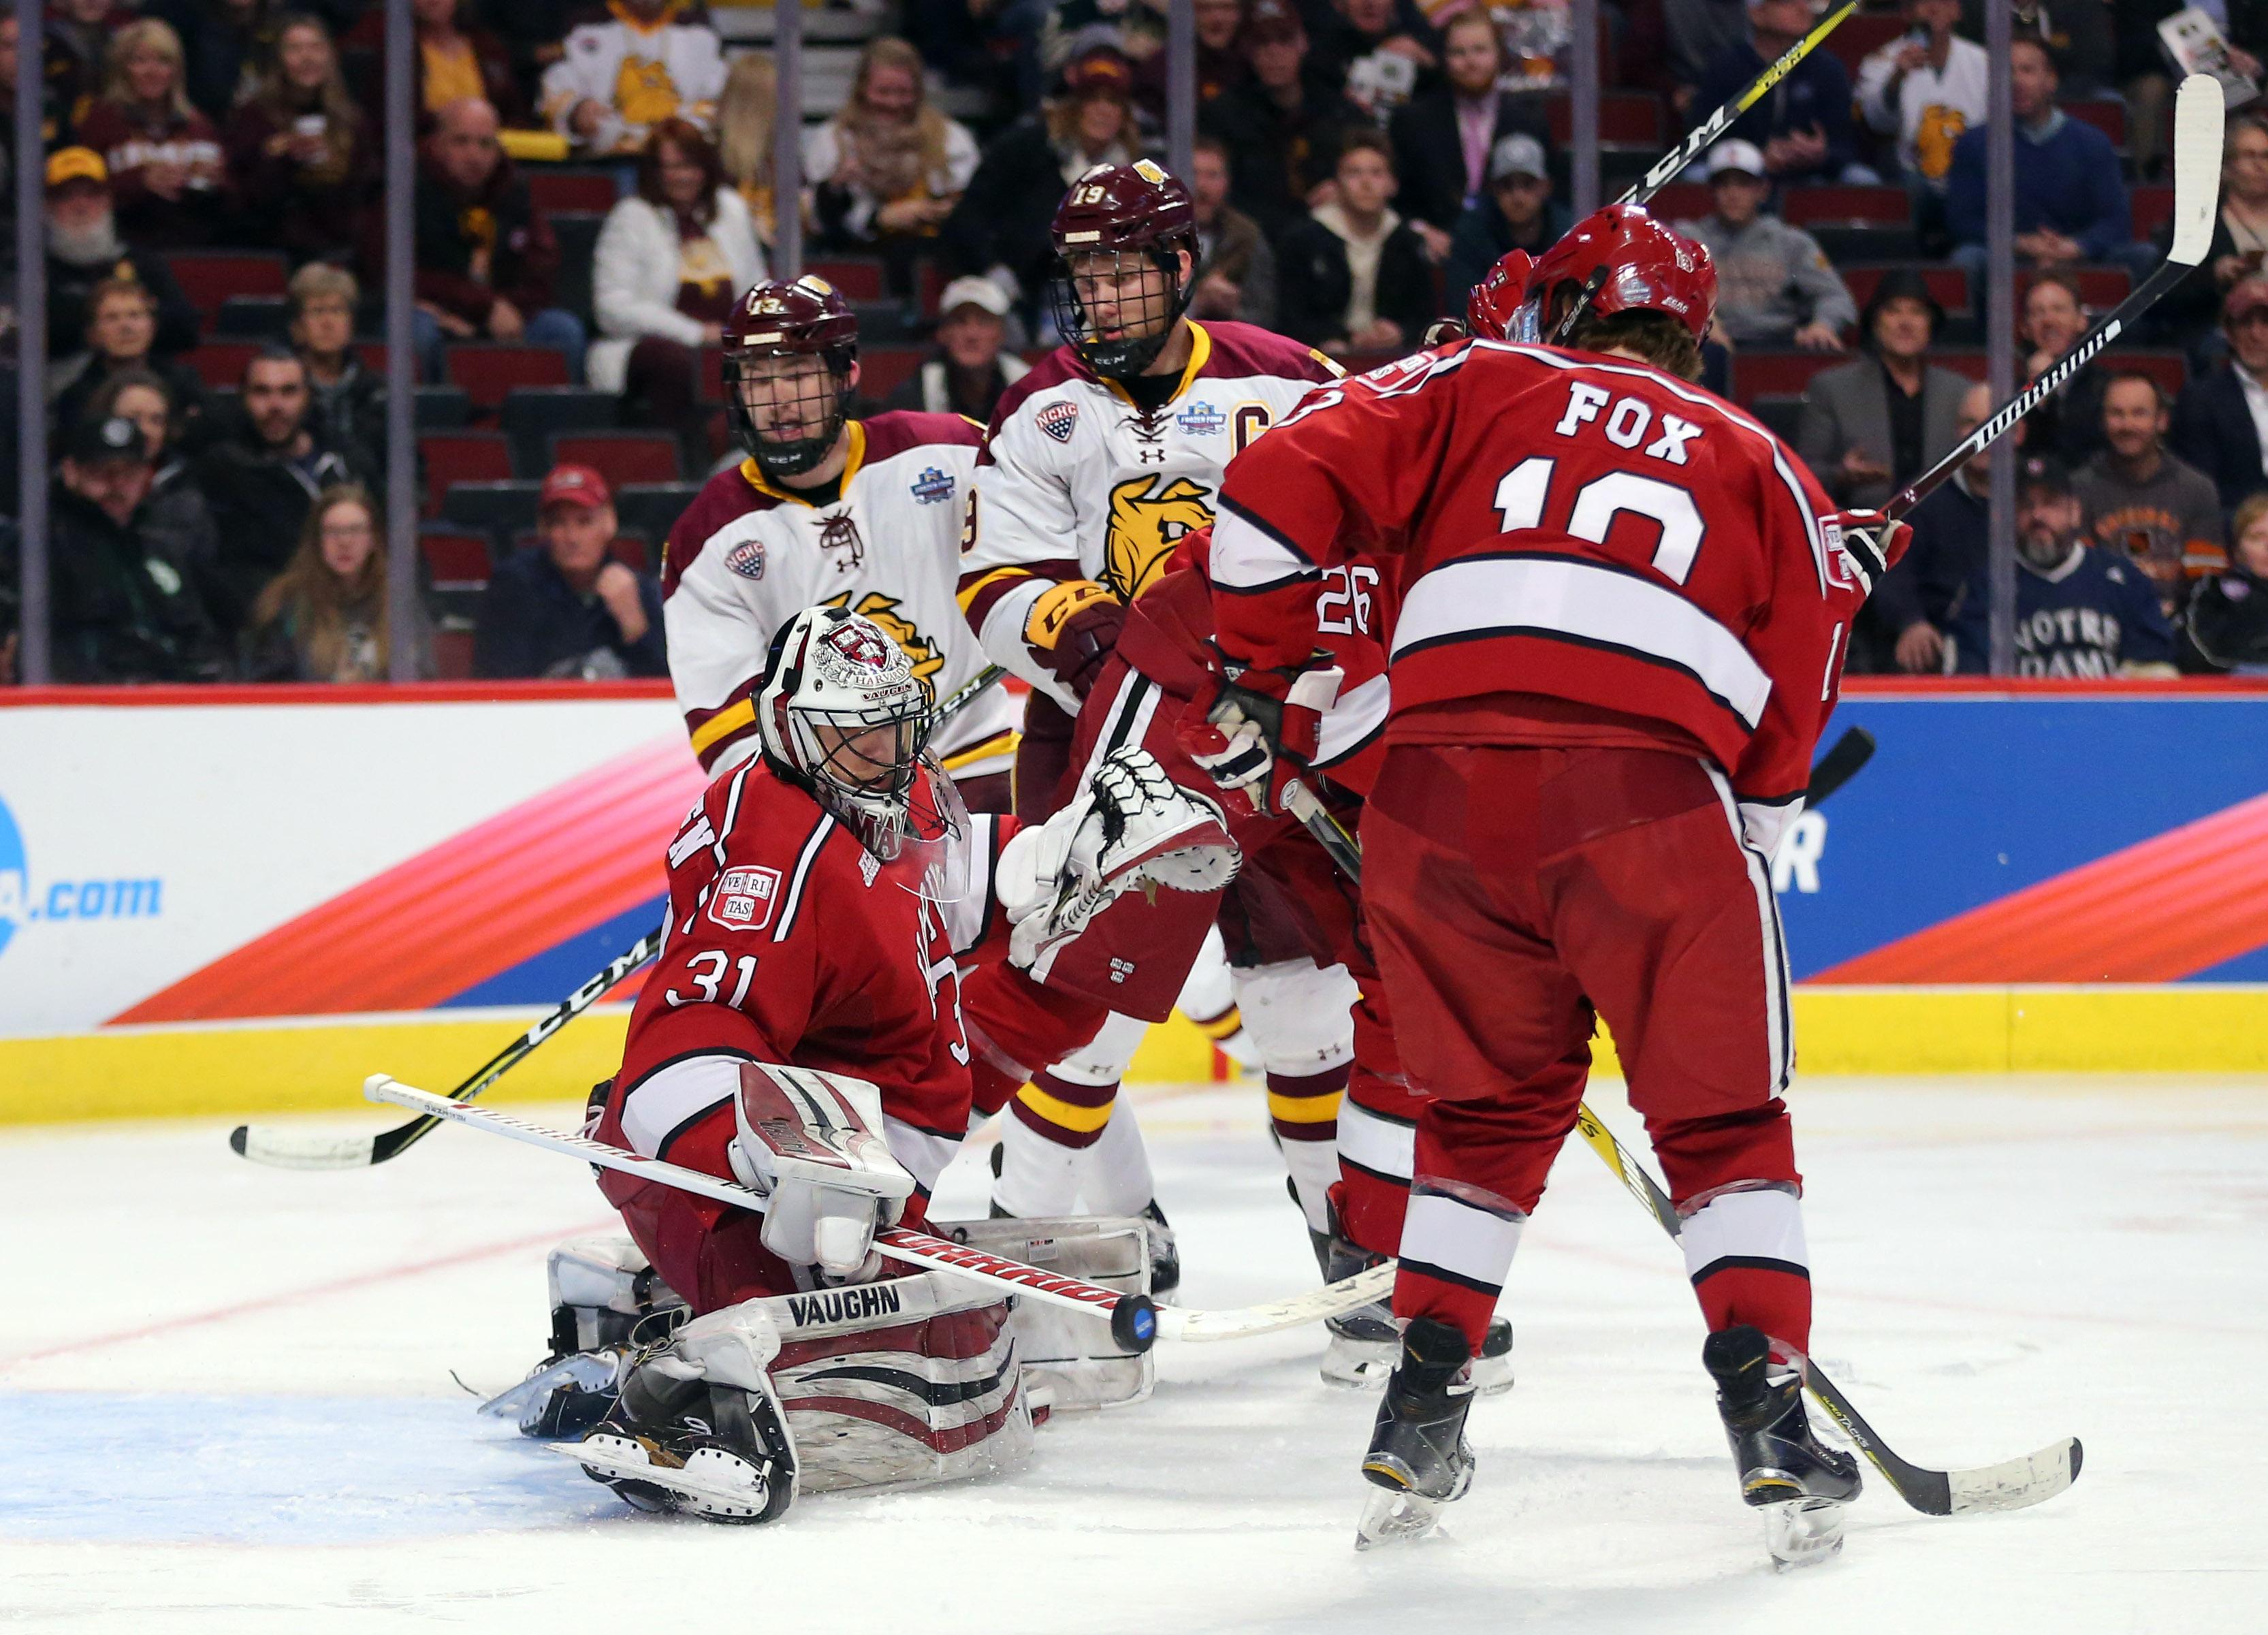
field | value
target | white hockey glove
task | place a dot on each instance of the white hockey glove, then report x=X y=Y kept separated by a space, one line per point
x=812 y=1144
x=1131 y=826
x=1870 y=542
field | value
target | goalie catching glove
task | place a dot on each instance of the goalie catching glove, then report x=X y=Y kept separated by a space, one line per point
x=1131 y=826
x=812 y=1143
x=1260 y=729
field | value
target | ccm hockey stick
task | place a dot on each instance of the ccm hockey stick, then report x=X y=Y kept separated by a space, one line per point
x=2200 y=119
x=1697 y=142
x=294 y=1149
x=1135 y=1322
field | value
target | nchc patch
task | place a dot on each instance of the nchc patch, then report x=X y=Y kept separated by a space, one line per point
x=744 y=898
x=1059 y=421
x=746 y=559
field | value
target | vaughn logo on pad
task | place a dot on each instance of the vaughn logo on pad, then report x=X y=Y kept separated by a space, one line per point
x=743 y=899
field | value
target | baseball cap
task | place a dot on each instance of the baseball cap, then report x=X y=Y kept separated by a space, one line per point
x=114 y=437
x=2248 y=295
x=974 y=292
x=1518 y=154
x=2043 y=471
x=1269 y=19
x=69 y=164
x=1099 y=71
x=1736 y=156
x=573 y=485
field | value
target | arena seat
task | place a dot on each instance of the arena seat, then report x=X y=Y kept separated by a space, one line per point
x=1860 y=36
x=532 y=416
x=441 y=408
x=2154 y=208
x=620 y=457
x=453 y=655
x=255 y=317
x=1837 y=204
x=488 y=369
x=1682 y=200
x=1780 y=412
x=221 y=363
x=2106 y=115
x=1948 y=284
x=452 y=456
x=210 y=278
x=857 y=278
x=456 y=559
x=500 y=510
x=1626 y=118
x=883 y=369
x=557 y=190
x=652 y=509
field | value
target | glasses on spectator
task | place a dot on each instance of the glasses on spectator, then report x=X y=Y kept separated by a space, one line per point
x=347 y=530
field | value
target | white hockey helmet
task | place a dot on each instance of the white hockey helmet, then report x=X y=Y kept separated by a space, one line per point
x=842 y=714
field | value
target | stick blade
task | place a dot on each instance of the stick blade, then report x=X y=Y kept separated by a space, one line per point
x=295 y=1149
x=1331 y=1300
x=2020 y=1483
x=2200 y=117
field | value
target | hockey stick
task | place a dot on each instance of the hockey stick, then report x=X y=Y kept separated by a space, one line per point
x=1135 y=1322
x=1697 y=142
x=293 y=1149
x=2199 y=118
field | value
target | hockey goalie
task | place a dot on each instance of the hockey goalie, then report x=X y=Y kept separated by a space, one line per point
x=801 y=1035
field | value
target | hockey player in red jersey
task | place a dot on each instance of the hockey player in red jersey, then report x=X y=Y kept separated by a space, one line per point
x=801 y=1034
x=1622 y=612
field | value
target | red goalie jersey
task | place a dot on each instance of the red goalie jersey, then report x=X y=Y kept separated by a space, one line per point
x=1590 y=551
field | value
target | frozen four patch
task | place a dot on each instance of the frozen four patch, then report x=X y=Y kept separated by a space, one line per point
x=1059 y=420
x=932 y=486
x=1200 y=419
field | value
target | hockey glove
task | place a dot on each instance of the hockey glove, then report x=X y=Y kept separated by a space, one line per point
x=1870 y=542
x=812 y=1144
x=1259 y=730
x=1072 y=628
x=1130 y=827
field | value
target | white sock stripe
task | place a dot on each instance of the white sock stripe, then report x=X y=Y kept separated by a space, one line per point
x=1475 y=1244
x=1763 y=1225
x=1379 y=1144
x=659 y=1104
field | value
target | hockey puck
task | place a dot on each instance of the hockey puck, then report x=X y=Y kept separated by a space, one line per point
x=1134 y=1323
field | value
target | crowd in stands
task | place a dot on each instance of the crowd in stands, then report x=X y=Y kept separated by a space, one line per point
x=595 y=188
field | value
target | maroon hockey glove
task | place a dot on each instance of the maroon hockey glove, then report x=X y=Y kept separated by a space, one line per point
x=1072 y=630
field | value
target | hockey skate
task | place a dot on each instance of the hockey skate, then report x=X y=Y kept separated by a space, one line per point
x=678 y=1441
x=1800 y=1484
x=1364 y=1342
x=564 y=1397
x=1418 y=1460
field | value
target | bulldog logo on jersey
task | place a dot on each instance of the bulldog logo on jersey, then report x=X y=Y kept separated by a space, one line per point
x=1149 y=516
x=1059 y=421
x=743 y=898
x=920 y=651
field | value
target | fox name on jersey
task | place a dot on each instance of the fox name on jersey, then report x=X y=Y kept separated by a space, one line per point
x=1078 y=482
x=747 y=555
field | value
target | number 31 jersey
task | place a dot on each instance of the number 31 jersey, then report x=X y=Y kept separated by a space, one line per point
x=746 y=556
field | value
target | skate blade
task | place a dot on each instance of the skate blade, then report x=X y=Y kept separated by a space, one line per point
x=1395 y=1516
x=1802 y=1532
x=1357 y=1365
x=585 y=1370
x=1492 y=1376
x=713 y=1483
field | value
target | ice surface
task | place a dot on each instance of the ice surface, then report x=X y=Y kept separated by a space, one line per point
x=226 y=1403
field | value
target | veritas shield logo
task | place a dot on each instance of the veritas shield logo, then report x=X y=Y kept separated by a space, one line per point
x=1149 y=516
x=886 y=612
x=860 y=646
x=743 y=899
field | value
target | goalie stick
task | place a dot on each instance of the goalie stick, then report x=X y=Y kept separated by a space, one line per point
x=2199 y=121
x=1135 y=1324
x=296 y=1149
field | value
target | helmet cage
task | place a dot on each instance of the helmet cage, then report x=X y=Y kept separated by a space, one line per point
x=1145 y=320
x=821 y=399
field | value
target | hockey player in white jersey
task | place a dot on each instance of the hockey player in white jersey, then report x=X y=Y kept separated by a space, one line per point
x=1096 y=465
x=825 y=511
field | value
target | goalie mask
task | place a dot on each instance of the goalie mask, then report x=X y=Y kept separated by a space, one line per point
x=1118 y=287
x=843 y=715
x=1629 y=262
x=791 y=357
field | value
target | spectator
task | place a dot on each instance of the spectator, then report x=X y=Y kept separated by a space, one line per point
x=260 y=480
x=1925 y=88
x=619 y=78
x=224 y=41
x=566 y=608
x=1000 y=227
x=744 y=134
x=2240 y=232
x=349 y=409
x=1803 y=124
x=2139 y=501
x=1444 y=138
x=120 y=325
x=302 y=163
x=2218 y=417
x=1220 y=66
x=1354 y=276
x=486 y=257
x=2070 y=204
x=969 y=371
x=2053 y=316
x=127 y=604
x=1698 y=33
x=1870 y=426
x=456 y=59
x=2078 y=38
x=2080 y=612
x=84 y=250
x=164 y=156
x=1371 y=51
x=1774 y=285
x=1281 y=129
x=1905 y=621
x=889 y=165
x=77 y=38
x=325 y=618
x=176 y=505
x=1517 y=213
x=2226 y=627
x=1236 y=269
x=672 y=260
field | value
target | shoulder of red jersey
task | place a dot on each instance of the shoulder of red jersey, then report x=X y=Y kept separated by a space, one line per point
x=724 y=499
x=768 y=847
x=1240 y=350
x=899 y=429
x=1693 y=400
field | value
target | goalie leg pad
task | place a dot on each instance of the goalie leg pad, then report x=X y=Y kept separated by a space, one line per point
x=1069 y=1355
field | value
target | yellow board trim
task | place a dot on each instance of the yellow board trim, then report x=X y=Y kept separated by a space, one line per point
x=1065 y=1114
x=1304 y=1110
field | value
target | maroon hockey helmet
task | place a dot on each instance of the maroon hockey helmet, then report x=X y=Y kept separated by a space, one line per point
x=1628 y=262
x=1495 y=301
x=1118 y=288
x=788 y=418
